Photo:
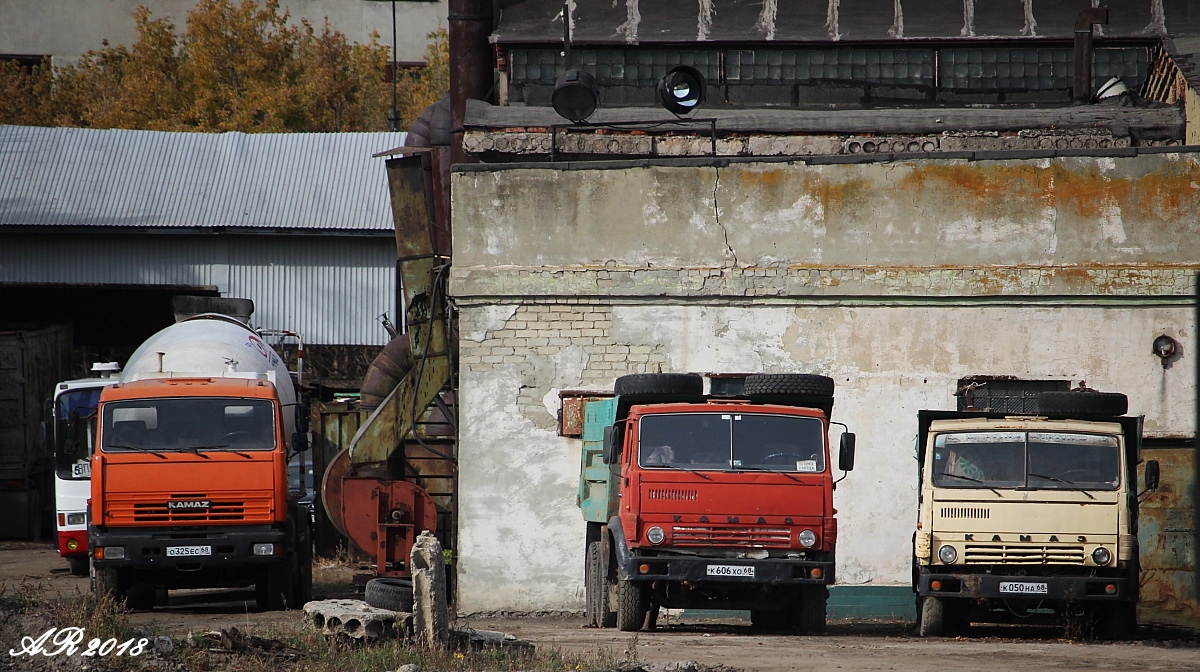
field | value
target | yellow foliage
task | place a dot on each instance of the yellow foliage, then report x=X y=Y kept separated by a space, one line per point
x=236 y=67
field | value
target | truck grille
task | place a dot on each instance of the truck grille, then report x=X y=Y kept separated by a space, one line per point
x=672 y=494
x=217 y=511
x=1032 y=554
x=713 y=535
x=966 y=512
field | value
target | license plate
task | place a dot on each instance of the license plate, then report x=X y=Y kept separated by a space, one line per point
x=746 y=571
x=185 y=551
x=1023 y=588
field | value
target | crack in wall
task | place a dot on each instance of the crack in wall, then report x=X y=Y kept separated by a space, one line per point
x=717 y=215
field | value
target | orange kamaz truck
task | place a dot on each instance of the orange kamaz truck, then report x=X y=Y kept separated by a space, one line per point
x=189 y=480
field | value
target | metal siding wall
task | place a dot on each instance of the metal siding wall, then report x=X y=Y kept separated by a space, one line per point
x=329 y=289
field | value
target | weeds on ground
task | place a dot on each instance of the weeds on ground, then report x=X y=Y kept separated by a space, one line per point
x=28 y=611
x=313 y=652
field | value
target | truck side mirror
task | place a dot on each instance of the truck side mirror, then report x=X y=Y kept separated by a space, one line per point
x=300 y=442
x=612 y=445
x=846 y=452
x=1152 y=475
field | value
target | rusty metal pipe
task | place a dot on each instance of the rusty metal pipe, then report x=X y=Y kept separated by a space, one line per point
x=1085 y=50
x=385 y=373
x=471 y=63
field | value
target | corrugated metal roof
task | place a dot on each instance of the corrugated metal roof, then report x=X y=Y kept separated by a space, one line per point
x=297 y=181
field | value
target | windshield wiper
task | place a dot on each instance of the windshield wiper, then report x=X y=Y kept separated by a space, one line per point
x=1061 y=480
x=137 y=448
x=195 y=450
x=973 y=480
x=769 y=471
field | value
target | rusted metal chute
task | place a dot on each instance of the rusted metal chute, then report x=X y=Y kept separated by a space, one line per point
x=379 y=512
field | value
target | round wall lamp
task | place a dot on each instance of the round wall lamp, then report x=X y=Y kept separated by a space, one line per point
x=1164 y=347
x=681 y=90
x=576 y=95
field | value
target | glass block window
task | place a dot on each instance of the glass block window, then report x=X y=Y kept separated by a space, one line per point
x=611 y=67
x=965 y=68
x=1005 y=395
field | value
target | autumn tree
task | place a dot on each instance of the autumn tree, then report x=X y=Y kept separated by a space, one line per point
x=240 y=67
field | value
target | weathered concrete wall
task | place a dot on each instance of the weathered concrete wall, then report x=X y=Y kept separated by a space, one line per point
x=65 y=29
x=895 y=279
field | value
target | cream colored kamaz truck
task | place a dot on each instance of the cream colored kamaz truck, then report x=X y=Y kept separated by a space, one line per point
x=1030 y=519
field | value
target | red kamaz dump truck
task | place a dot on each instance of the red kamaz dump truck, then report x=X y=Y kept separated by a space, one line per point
x=711 y=501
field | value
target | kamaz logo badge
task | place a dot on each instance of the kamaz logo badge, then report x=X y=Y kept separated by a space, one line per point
x=188 y=504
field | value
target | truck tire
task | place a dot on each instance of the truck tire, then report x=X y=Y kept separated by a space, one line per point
x=807 y=384
x=768 y=620
x=931 y=617
x=811 y=617
x=106 y=584
x=593 y=586
x=141 y=596
x=1083 y=403
x=390 y=594
x=633 y=601
x=273 y=588
x=1118 y=621
x=668 y=384
x=79 y=566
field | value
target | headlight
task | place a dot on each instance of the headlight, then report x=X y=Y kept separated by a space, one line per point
x=948 y=554
x=76 y=518
x=807 y=538
x=112 y=553
x=655 y=535
x=264 y=549
x=1101 y=556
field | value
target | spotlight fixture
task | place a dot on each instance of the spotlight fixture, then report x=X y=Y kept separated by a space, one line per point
x=681 y=90
x=1164 y=346
x=576 y=95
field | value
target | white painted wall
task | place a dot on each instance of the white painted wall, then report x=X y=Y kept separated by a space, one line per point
x=521 y=535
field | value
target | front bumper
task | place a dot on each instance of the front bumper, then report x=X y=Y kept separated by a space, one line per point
x=147 y=548
x=80 y=537
x=1059 y=588
x=770 y=571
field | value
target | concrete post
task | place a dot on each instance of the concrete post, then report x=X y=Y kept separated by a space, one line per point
x=430 y=613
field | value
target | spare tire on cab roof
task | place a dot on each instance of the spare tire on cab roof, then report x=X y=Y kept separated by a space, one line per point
x=1082 y=403
x=806 y=384
x=684 y=384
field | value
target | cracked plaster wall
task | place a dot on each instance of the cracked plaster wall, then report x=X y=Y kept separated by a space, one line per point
x=617 y=282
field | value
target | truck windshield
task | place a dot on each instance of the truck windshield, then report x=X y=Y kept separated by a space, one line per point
x=73 y=446
x=1034 y=460
x=732 y=442
x=189 y=424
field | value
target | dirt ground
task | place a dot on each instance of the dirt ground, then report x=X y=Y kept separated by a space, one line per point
x=849 y=646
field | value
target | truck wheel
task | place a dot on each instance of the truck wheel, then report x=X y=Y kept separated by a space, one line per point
x=813 y=602
x=683 y=384
x=79 y=566
x=272 y=589
x=1083 y=403
x=768 y=620
x=632 y=604
x=303 y=572
x=1118 y=621
x=390 y=594
x=808 y=384
x=592 y=585
x=141 y=596
x=106 y=584
x=931 y=617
